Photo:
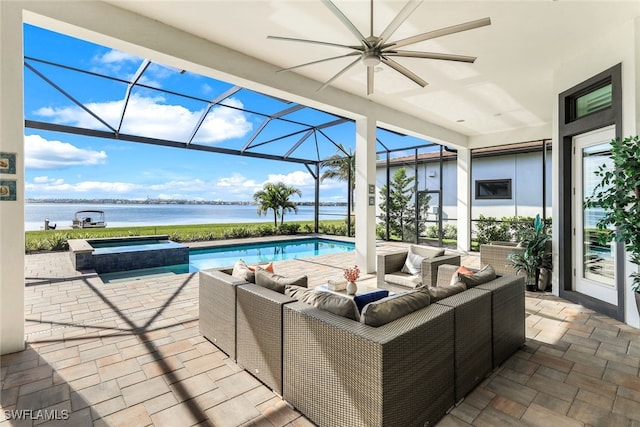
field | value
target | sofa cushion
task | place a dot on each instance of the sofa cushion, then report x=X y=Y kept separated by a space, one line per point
x=277 y=282
x=336 y=304
x=242 y=271
x=484 y=275
x=404 y=279
x=364 y=299
x=393 y=307
x=441 y=292
x=461 y=270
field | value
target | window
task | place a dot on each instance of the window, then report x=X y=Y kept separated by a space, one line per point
x=593 y=99
x=493 y=189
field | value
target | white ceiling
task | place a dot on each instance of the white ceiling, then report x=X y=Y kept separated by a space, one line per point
x=510 y=86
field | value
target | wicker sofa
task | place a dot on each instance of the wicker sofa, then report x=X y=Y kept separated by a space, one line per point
x=245 y=321
x=339 y=371
x=389 y=268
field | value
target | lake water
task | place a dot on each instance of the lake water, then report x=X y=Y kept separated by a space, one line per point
x=122 y=215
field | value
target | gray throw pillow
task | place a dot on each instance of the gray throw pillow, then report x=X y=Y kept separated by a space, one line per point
x=277 y=282
x=484 y=275
x=241 y=271
x=393 y=307
x=441 y=292
x=336 y=304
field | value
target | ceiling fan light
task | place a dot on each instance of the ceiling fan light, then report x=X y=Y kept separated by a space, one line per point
x=370 y=60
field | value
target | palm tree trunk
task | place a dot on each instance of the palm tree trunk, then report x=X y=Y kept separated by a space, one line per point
x=275 y=218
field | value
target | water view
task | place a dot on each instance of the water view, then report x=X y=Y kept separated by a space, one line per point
x=124 y=215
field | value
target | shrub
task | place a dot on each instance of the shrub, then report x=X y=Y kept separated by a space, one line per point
x=489 y=229
x=449 y=232
x=289 y=228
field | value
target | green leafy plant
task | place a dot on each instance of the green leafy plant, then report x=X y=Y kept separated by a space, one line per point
x=534 y=255
x=618 y=194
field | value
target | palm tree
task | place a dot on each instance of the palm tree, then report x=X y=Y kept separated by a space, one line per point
x=340 y=167
x=275 y=196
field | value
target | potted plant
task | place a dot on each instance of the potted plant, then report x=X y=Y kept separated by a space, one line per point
x=618 y=194
x=534 y=256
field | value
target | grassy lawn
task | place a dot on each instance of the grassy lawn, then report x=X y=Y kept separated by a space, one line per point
x=56 y=240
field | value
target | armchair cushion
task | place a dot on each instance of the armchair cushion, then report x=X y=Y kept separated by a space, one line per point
x=388 y=309
x=276 y=282
x=403 y=279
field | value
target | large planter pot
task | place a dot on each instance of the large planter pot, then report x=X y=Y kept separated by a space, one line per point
x=637 y=294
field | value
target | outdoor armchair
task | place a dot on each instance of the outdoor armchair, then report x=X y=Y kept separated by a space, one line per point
x=389 y=268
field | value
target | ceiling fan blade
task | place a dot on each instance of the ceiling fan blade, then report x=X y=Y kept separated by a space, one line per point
x=338 y=74
x=430 y=55
x=344 y=20
x=370 y=72
x=291 y=39
x=318 y=61
x=402 y=16
x=443 y=32
x=404 y=71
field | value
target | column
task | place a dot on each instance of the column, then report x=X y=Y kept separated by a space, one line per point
x=365 y=212
x=464 y=199
x=12 y=212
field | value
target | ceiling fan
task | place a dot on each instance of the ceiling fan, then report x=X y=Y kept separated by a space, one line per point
x=374 y=50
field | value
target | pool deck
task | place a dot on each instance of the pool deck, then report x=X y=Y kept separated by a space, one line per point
x=130 y=353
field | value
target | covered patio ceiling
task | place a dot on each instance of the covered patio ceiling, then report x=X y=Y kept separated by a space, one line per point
x=507 y=95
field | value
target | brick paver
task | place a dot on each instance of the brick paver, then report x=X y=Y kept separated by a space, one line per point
x=130 y=353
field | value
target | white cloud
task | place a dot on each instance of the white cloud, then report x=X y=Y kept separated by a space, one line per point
x=151 y=117
x=93 y=188
x=43 y=154
x=296 y=179
x=116 y=56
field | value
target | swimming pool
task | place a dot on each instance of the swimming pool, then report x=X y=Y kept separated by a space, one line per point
x=202 y=259
x=226 y=256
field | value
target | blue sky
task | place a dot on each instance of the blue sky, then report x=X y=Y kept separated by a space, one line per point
x=60 y=165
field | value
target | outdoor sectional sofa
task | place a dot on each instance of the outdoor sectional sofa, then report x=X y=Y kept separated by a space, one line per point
x=339 y=371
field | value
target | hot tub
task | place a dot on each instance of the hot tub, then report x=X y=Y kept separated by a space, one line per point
x=126 y=253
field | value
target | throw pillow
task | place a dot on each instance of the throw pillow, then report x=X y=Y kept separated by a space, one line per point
x=336 y=304
x=413 y=263
x=484 y=275
x=277 y=282
x=461 y=270
x=268 y=267
x=241 y=271
x=364 y=299
x=441 y=292
x=388 y=309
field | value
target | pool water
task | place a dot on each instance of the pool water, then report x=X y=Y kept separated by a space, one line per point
x=202 y=259
x=226 y=256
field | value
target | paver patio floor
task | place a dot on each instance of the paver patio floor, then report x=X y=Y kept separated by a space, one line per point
x=130 y=353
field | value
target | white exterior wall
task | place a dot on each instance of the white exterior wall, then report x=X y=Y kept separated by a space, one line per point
x=524 y=169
